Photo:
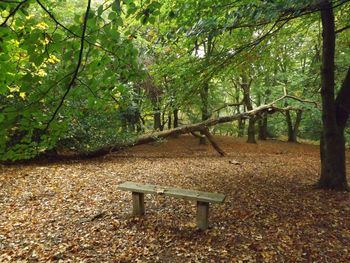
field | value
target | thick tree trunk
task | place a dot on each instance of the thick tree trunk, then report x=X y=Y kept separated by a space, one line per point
x=332 y=148
x=262 y=124
x=251 y=131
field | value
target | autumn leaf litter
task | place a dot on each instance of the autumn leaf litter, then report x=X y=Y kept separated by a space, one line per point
x=73 y=212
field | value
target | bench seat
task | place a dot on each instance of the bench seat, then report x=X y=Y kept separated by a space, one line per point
x=202 y=198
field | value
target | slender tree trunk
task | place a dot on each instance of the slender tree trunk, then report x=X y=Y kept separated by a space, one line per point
x=169 y=121
x=241 y=123
x=247 y=101
x=176 y=118
x=296 y=125
x=205 y=111
x=332 y=148
x=241 y=126
x=157 y=122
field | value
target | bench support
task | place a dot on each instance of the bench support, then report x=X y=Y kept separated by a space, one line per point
x=138 y=204
x=202 y=215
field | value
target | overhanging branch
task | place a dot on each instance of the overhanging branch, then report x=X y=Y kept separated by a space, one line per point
x=13 y=12
x=71 y=83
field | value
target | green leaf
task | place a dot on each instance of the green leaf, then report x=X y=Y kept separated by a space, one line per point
x=112 y=16
x=100 y=10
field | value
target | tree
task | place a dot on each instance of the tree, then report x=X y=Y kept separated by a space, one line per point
x=335 y=112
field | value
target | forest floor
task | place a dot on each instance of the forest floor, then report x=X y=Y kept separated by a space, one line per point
x=72 y=211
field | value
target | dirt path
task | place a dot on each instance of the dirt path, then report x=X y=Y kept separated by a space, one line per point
x=72 y=212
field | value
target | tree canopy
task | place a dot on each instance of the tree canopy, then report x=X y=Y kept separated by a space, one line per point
x=92 y=76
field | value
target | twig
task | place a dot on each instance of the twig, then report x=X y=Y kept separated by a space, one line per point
x=70 y=31
x=342 y=29
x=13 y=12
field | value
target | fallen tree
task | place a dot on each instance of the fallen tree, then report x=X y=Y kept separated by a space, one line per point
x=194 y=129
x=202 y=127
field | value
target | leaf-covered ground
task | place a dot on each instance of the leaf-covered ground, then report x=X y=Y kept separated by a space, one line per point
x=73 y=212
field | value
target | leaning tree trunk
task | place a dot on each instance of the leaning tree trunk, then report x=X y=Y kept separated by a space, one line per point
x=332 y=147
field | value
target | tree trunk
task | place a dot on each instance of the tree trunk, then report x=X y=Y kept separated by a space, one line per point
x=262 y=124
x=169 y=121
x=176 y=118
x=241 y=123
x=251 y=131
x=205 y=111
x=157 y=122
x=248 y=103
x=332 y=147
x=291 y=135
x=241 y=126
x=296 y=125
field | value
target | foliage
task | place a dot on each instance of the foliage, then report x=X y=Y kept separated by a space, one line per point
x=148 y=58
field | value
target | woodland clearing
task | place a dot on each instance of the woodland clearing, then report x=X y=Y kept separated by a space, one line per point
x=71 y=211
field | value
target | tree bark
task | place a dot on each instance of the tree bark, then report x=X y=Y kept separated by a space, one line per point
x=213 y=142
x=262 y=124
x=169 y=121
x=205 y=111
x=241 y=126
x=251 y=131
x=247 y=101
x=296 y=125
x=332 y=143
x=157 y=122
x=176 y=118
x=293 y=129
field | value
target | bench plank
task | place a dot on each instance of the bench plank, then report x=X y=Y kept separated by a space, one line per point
x=173 y=192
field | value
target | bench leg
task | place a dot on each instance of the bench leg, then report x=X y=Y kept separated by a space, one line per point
x=138 y=204
x=202 y=215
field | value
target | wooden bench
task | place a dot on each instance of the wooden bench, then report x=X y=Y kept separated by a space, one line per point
x=202 y=198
